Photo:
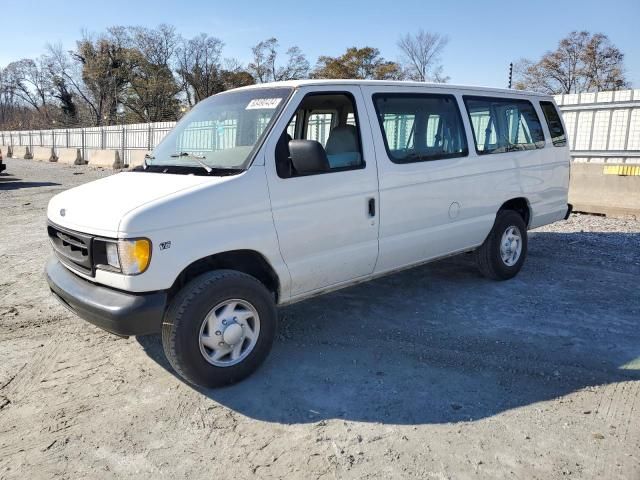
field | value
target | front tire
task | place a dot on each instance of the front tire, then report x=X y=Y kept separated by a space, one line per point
x=219 y=328
x=502 y=254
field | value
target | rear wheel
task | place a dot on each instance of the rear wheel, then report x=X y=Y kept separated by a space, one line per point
x=219 y=328
x=503 y=252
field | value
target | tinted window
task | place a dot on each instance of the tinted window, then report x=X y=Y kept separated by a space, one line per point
x=554 y=123
x=419 y=127
x=504 y=124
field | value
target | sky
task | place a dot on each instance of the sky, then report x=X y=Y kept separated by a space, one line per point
x=484 y=35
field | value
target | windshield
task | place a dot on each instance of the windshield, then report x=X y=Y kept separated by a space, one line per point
x=221 y=132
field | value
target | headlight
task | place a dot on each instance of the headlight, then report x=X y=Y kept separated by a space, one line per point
x=130 y=257
x=112 y=255
x=135 y=255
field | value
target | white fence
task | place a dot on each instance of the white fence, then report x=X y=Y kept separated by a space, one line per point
x=602 y=127
x=123 y=138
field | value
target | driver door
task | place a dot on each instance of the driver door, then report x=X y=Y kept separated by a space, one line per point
x=327 y=223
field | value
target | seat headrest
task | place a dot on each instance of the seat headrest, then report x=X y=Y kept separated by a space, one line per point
x=342 y=139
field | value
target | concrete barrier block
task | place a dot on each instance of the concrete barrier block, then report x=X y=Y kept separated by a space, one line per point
x=604 y=189
x=105 y=158
x=44 y=154
x=18 y=151
x=70 y=156
x=136 y=158
x=28 y=155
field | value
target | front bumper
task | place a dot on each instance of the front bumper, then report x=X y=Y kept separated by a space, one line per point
x=112 y=310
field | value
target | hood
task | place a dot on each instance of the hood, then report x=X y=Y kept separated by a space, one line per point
x=98 y=207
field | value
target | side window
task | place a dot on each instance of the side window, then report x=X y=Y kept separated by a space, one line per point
x=331 y=120
x=554 y=123
x=503 y=124
x=420 y=127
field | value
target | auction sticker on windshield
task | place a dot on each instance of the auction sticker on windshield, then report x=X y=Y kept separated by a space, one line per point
x=263 y=103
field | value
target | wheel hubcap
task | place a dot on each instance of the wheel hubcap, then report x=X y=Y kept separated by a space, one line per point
x=511 y=246
x=229 y=332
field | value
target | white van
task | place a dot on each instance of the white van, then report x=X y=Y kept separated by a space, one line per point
x=270 y=194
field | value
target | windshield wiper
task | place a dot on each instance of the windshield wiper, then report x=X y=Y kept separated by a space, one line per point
x=192 y=156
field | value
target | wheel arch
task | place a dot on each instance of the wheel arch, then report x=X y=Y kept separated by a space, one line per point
x=250 y=262
x=520 y=205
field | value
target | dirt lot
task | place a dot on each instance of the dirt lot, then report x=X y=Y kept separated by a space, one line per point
x=431 y=373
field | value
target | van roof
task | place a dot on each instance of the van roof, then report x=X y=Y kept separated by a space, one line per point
x=394 y=83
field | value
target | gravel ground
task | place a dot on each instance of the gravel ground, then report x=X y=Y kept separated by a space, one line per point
x=431 y=373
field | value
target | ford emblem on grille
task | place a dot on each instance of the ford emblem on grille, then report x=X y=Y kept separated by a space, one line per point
x=63 y=212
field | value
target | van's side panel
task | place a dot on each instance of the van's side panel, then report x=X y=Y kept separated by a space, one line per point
x=433 y=208
x=325 y=233
x=549 y=195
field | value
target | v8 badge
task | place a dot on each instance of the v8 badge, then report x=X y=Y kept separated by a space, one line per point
x=165 y=245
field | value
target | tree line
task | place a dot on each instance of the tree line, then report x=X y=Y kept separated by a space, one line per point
x=582 y=62
x=138 y=74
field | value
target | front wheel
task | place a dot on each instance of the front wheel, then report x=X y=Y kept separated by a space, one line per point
x=219 y=328
x=503 y=252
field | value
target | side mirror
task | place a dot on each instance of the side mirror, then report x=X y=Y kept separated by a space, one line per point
x=308 y=156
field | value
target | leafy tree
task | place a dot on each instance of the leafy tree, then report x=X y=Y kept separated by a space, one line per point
x=358 y=63
x=152 y=88
x=265 y=68
x=582 y=62
x=106 y=65
x=234 y=75
x=422 y=51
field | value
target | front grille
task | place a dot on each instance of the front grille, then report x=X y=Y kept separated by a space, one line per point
x=72 y=248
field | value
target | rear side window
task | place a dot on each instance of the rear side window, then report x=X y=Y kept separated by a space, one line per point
x=420 y=127
x=554 y=123
x=503 y=124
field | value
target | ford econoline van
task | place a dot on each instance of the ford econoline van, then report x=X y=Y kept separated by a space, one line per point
x=270 y=194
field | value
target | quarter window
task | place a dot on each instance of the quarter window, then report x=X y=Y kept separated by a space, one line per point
x=504 y=124
x=554 y=123
x=420 y=127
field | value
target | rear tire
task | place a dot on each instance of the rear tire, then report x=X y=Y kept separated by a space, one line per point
x=502 y=254
x=217 y=312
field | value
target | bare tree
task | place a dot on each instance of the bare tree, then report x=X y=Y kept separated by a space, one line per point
x=158 y=45
x=265 y=68
x=66 y=75
x=29 y=82
x=582 y=62
x=422 y=53
x=603 y=63
x=199 y=65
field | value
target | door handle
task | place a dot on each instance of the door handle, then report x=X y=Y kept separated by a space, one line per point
x=372 y=207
